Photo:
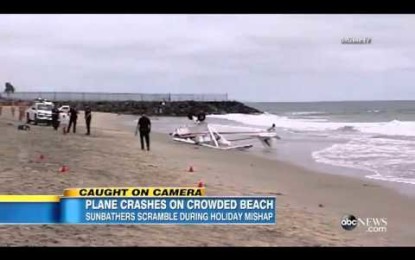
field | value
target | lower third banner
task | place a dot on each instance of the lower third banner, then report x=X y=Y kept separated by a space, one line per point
x=141 y=210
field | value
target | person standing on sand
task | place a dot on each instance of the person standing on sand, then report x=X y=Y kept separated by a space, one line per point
x=161 y=107
x=72 y=120
x=63 y=121
x=55 y=117
x=88 y=117
x=144 y=126
x=22 y=108
x=13 y=109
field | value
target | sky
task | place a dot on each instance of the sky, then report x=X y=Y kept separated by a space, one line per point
x=251 y=57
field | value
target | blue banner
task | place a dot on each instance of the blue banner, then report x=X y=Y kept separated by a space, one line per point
x=142 y=210
x=29 y=212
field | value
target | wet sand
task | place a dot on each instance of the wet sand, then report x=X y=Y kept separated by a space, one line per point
x=310 y=204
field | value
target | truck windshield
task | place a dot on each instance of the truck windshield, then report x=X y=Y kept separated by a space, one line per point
x=44 y=107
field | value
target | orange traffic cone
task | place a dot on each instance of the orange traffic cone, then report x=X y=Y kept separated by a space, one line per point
x=191 y=169
x=200 y=184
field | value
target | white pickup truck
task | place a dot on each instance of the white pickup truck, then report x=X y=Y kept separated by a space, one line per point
x=65 y=109
x=39 y=112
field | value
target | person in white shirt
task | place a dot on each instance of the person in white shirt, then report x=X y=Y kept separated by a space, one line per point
x=63 y=122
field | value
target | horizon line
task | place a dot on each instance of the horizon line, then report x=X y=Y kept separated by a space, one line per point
x=229 y=97
x=322 y=101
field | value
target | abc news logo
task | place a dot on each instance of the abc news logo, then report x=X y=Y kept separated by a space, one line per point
x=375 y=225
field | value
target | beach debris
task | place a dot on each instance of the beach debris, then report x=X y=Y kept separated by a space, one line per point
x=39 y=159
x=320 y=205
x=200 y=184
x=23 y=127
x=191 y=169
x=277 y=193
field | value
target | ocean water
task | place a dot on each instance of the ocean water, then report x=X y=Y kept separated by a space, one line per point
x=374 y=138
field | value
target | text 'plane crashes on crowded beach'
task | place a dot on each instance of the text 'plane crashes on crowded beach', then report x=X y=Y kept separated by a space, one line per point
x=213 y=135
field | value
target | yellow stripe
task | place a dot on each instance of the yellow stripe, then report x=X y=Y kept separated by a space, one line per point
x=133 y=192
x=29 y=198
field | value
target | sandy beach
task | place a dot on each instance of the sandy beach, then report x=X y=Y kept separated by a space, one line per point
x=310 y=204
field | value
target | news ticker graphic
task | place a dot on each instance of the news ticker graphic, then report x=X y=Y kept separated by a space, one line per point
x=136 y=205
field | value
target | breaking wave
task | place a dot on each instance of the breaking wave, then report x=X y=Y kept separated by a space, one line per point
x=390 y=159
x=385 y=148
x=392 y=128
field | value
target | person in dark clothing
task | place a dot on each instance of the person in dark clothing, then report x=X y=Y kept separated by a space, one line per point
x=272 y=128
x=144 y=126
x=72 y=119
x=55 y=118
x=88 y=117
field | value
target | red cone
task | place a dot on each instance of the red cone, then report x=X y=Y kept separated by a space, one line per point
x=200 y=184
x=63 y=169
x=191 y=169
x=41 y=157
